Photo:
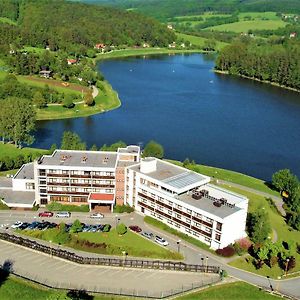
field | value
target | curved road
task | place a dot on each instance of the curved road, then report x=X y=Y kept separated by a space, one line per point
x=191 y=253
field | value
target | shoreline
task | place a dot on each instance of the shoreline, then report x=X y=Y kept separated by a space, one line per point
x=258 y=80
x=129 y=52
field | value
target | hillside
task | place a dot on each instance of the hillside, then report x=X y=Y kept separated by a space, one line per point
x=65 y=25
x=164 y=9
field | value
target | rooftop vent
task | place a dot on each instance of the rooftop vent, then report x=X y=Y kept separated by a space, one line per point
x=84 y=159
x=217 y=203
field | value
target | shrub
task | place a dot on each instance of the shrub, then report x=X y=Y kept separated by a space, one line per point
x=292 y=263
x=35 y=207
x=106 y=228
x=273 y=261
x=3 y=206
x=242 y=246
x=227 y=251
x=76 y=226
x=55 y=206
x=123 y=209
x=121 y=229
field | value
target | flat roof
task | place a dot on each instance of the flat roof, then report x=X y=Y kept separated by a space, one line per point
x=17 y=197
x=26 y=172
x=72 y=158
x=129 y=149
x=173 y=175
x=207 y=205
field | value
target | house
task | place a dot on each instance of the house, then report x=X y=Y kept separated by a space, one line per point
x=181 y=198
x=46 y=73
x=72 y=61
x=100 y=46
x=173 y=45
x=293 y=35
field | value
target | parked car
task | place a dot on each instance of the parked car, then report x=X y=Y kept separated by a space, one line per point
x=161 y=241
x=16 y=225
x=46 y=214
x=86 y=228
x=33 y=225
x=93 y=228
x=135 y=228
x=63 y=214
x=52 y=225
x=97 y=216
x=24 y=225
x=147 y=235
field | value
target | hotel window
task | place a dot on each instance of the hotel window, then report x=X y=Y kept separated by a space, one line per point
x=44 y=201
x=209 y=220
x=188 y=220
x=169 y=212
x=178 y=216
x=219 y=226
x=65 y=172
x=218 y=237
x=188 y=211
x=153 y=195
x=178 y=206
x=207 y=239
x=199 y=216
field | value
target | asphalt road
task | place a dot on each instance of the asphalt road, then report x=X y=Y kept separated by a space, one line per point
x=191 y=253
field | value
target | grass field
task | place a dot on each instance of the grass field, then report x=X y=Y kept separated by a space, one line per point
x=232 y=176
x=229 y=291
x=10 y=172
x=245 y=26
x=15 y=288
x=7 y=21
x=134 y=244
x=199 y=41
x=9 y=150
x=284 y=233
x=141 y=52
x=106 y=100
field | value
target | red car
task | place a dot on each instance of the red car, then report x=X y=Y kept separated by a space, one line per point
x=46 y=214
x=135 y=228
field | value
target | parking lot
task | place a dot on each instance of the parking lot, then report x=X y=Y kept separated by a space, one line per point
x=64 y=274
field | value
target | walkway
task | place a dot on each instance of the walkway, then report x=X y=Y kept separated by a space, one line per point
x=277 y=200
x=68 y=275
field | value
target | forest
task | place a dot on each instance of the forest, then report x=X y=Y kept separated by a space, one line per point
x=277 y=63
x=164 y=9
x=63 y=25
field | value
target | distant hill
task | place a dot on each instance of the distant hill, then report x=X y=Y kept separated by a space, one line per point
x=163 y=9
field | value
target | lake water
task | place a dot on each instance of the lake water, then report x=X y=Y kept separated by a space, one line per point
x=178 y=101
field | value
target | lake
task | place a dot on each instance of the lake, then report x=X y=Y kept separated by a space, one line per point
x=178 y=101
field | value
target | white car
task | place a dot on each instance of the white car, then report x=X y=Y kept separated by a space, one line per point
x=17 y=225
x=63 y=214
x=96 y=216
x=161 y=241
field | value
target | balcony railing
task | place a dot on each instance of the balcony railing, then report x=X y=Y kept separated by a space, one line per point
x=68 y=193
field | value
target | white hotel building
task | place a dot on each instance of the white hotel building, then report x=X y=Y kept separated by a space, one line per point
x=181 y=198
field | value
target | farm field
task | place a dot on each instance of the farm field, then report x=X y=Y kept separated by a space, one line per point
x=199 y=41
x=245 y=26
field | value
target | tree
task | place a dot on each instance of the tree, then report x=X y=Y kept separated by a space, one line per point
x=121 y=229
x=153 y=149
x=76 y=226
x=68 y=102
x=113 y=147
x=258 y=225
x=39 y=100
x=52 y=148
x=17 y=119
x=209 y=45
x=281 y=179
x=88 y=99
x=94 y=148
x=72 y=141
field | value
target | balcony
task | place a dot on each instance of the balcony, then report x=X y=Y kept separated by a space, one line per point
x=68 y=193
x=57 y=175
x=80 y=176
x=145 y=206
x=201 y=231
x=58 y=183
x=103 y=177
x=202 y=222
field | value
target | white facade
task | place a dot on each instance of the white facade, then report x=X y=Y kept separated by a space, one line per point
x=182 y=199
x=170 y=200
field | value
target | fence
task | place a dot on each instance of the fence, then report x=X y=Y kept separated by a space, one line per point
x=112 y=262
x=121 y=291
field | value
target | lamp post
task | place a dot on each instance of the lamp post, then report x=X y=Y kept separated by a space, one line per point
x=178 y=245
x=124 y=257
x=271 y=287
x=117 y=221
x=206 y=258
x=50 y=248
x=286 y=266
x=202 y=259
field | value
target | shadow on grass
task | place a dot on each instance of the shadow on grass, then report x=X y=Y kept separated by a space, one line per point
x=79 y=295
x=5 y=270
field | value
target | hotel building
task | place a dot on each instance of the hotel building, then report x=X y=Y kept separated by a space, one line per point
x=183 y=199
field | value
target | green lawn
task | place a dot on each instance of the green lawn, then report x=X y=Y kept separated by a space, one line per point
x=245 y=26
x=284 y=232
x=270 y=15
x=141 y=52
x=34 y=49
x=232 y=176
x=9 y=172
x=106 y=100
x=199 y=41
x=15 y=288
x=9 y=150
x=230 y=291
x=134 y=244
x=7 y=21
